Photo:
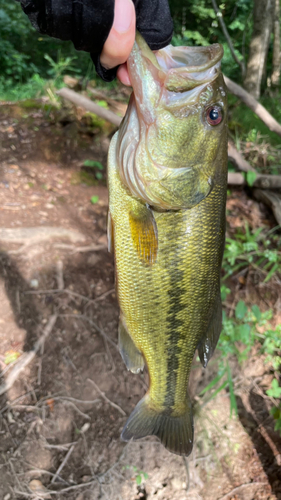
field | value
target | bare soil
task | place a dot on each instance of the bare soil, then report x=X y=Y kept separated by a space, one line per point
x=61 y=419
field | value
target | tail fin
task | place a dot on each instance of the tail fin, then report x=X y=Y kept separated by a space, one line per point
x=175 y=433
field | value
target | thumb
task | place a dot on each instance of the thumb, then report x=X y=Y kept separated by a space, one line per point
x=120 y=40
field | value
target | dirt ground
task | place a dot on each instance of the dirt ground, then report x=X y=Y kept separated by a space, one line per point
x=65 y=393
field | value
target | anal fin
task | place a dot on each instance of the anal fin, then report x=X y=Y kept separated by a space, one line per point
x=131 y=356
x=209 y=341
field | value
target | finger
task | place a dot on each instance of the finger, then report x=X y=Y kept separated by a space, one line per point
x=123 y=75
x=121 y=38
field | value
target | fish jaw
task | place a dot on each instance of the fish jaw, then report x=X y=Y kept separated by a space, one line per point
x=167 y=150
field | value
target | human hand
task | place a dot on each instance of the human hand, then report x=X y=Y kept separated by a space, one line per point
x=119 y=43
x=105 y=28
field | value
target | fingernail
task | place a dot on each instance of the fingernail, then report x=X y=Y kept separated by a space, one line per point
x=123 y=15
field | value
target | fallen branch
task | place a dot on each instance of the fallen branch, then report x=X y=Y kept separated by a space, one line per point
x=238 y=160
x=261 y=181
x=56 y=475
x=254 y=105
x=27 y=357
x=89 y=105
x=120 y=107
x=114 y=405
x=239 y=488
x=272 y=199
x=235 y=179
x=59 y=269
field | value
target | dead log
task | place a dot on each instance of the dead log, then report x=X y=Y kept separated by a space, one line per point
x=253 y=104
x=261 y=181
x=235 y=179
x=238 y=160
x=89 y=105
x=272 y=199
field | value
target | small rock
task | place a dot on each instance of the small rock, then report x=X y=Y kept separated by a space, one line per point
x=38 y=488
x=34 y=283
x=93 y=259
x=7 y=497
x=103 y=239
x=49 y=205
x=85 y=427
x=176 y=483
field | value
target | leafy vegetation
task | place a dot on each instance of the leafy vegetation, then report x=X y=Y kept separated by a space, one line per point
x=246 y=326
x=239 y=334
x=257 y=249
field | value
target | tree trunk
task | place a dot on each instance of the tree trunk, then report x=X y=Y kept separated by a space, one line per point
x=276 y=57
x=263 y=22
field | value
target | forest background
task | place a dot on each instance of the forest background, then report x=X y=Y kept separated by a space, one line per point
x=33 y=67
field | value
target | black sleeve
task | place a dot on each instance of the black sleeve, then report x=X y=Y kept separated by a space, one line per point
x=87 y=23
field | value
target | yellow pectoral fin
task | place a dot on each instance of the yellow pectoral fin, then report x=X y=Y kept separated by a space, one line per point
x=144 y=233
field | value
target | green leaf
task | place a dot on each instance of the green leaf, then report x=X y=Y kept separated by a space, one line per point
x=93 y=163
x=213 y=383
x=244 y=331
x=224 y=292
x=251 y=177
x=138 y=479
x=275 y=391
x=94 y=199
x=271 y=272
x=256 y=311
x=240 y=309
x=98 y=175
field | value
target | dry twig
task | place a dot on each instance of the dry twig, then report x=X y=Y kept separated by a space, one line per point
x=114 y=405
x=63 y=463
x=253 y=104
x=60 y=280
x=238 y=488
x=27 y=357
x=89 y=105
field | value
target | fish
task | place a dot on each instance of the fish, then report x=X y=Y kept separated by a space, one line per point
x=167 y=181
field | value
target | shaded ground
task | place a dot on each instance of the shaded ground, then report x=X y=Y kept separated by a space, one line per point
x=61 y=420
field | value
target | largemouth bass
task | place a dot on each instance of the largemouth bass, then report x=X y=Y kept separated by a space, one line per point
x=167 y=178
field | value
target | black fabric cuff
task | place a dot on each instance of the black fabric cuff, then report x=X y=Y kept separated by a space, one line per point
x=107 y=75
x=87 y=24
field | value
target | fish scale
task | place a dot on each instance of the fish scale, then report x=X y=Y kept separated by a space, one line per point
x=168 y=268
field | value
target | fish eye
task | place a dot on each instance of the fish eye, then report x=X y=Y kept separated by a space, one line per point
x=214 y=115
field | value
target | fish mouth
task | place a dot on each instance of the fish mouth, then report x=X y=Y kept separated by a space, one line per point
x=176 y=69
x=189 y=67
